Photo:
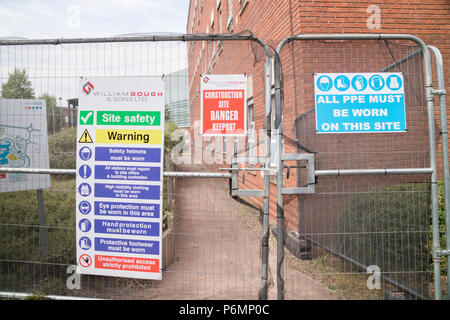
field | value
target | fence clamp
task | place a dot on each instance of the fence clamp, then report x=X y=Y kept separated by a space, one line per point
x=235 y=169
x=309 y=157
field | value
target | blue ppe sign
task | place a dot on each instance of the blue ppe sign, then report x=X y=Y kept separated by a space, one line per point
x=359 y=102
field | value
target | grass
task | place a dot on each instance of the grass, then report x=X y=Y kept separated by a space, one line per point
x=24 y=267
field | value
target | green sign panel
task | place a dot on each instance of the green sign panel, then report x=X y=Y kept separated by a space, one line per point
x=129 y=118
x=87 y=117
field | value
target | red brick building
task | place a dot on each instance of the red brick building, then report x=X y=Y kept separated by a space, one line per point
x=272 y=21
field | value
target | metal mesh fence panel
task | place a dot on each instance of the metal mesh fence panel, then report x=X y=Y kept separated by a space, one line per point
x=353 y=225
x=213 y=247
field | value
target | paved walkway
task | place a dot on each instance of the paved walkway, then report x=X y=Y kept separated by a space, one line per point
x=217 y=250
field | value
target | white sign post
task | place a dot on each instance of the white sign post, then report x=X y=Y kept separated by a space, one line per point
x=120 y=176
x=23 y=143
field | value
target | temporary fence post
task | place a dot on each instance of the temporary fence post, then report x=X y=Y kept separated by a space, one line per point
x=431 y=137
x=280 y=169
x=434 y=187
x=265 y=218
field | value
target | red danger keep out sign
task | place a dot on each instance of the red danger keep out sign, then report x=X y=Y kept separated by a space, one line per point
x=224 y=105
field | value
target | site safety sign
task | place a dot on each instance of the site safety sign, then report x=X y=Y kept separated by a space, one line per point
x=120 y=176
x=359 y=102
x=224 y=105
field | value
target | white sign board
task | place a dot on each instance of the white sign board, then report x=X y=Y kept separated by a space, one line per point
x=23 y=143
x=360 y=102
x=120 y=176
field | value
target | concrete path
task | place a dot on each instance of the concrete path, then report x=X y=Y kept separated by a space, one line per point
x=217 y=250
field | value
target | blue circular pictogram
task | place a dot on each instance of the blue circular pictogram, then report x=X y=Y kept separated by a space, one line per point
x=394 y=82
x=376 y=82
x=341 y=83
x=85 y=153
x=359 y=82
x=84 y=207
x=85 y=171
x=324 y=83
x=85 y=243
x=84 y=189
x=84 y=225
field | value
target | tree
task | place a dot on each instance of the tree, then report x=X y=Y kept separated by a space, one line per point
x=18 y=86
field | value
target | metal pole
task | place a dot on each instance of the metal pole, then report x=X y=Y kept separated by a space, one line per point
x=444 y=137
x=179 y=174
x=434 y=192
x=22 y=295
x=352 y=172
x=143 y=38
x=265 y=219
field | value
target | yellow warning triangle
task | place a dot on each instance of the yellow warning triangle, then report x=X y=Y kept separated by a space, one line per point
x=12 y=157
x=85 y=137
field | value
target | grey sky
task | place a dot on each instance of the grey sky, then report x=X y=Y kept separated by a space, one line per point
x=90 y=18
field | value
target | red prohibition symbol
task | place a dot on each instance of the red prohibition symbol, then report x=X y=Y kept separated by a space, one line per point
x=85 y=260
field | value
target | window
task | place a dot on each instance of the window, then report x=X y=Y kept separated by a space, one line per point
x=251 y=142
x=220 y=20
x=213 y=55
x=230 y=16
x=204 y=59
x=213 y=50
x=219 y=11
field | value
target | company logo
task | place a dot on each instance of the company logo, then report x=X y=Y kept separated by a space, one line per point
x=146 y=94
x=205 y=79
x=87 y=87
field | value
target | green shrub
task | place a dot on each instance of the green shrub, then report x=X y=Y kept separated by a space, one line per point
x=442 y=239
x=390 y=228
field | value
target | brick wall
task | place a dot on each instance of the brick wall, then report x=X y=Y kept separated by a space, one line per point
x=273 y=21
